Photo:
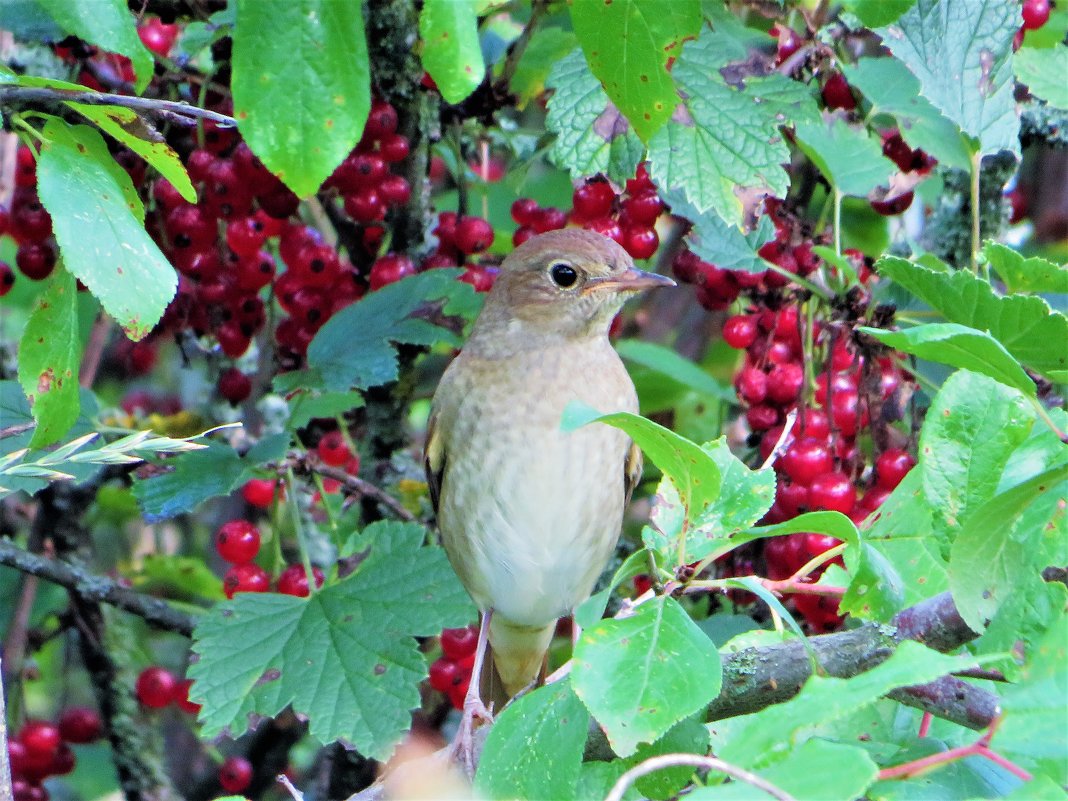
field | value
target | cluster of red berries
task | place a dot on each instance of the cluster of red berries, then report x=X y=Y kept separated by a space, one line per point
x=629 y=218
x=238 y=542
x=450 y=673
x=29 y=224
x=40 y=749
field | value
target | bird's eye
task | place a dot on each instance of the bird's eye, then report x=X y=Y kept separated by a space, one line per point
x=563 y=275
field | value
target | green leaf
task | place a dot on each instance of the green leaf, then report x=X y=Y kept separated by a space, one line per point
x=973 y=426
x=671 y=365
x=404 y=312
x=878 y=12
x=48 y=359
x=876 y=591
x=962 y=54
x=1021 y=622
x=181 y=575
x=1024 y=325
x=1020 y=274
x=688 y=737
x=346 y=656
x=302 y=120
x=728 y=141
x=767 y=736
x=995 y=549
x=627 y=45
x=958 y=346
x=451 y=53
x=128 y=128
x=108 y=24
x=98 y=221
x=718 y=242
x=1032 y=732
x=846 y=155
x=546 y=48
x=817 y=770
x=534 y=749
x=834 y=524
x=642 y=674
x=692 y=470
x=592 y=609
x=591 y=135
x=1043 y=72
x=892 y=89
x=308 y=406
x=198 y=475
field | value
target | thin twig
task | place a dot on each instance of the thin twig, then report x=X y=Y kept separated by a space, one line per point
x=354 y=484
x=18 y=428
x=694 y=760
x=162 y=108
x=294 y=793
x=519 y=46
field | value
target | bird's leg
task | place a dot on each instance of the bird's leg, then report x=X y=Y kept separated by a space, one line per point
x=463 y=748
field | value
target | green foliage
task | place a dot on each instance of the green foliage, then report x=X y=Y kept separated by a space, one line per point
x=846 y=155
x=345 y=656
x=325 y=90
x=1041 y=71
x=451 y=52
x=1021 y=274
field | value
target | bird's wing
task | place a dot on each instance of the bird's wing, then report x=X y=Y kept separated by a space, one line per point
x=434 y=459
x=632 y=470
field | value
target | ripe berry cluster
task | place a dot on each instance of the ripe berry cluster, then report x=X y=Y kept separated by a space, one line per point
x=450 y=673
x=238 y=542
x=39 y=749
x=29 y=225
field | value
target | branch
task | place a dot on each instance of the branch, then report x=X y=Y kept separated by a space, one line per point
x=91 y=587
x=352 y=483
x=712 y=763
x=169 y=110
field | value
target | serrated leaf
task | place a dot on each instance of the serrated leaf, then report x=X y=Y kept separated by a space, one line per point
x=308 y=406
x=973 y=426
x=958 y=346
x=378 y=321
x=627 y=44
x=346 y=656
x=817 y=770
x=302 y=120
x=846 y=155
x=1024 y=325
x=718 y=242
x=98 y=221
x=534 y=749
x=1020 y=274
x=591 y=135
x=1043 y=73
x=878 y=12
x=48 y=359
x=962 y=54
x=546 y=48
x=1032 y=732
x=451 y=52
x=995 y=550
x=727 y=142
x=642 y=674
x=892 y=89
x=107 y=23
x=764 y=737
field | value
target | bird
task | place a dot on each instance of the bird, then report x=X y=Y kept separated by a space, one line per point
x=529 y=514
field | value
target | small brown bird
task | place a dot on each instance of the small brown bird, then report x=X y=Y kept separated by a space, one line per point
x=529 y=514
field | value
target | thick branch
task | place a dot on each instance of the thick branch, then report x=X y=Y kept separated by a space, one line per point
x=95 y=588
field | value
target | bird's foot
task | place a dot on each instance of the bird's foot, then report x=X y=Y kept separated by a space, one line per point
x=464 y=749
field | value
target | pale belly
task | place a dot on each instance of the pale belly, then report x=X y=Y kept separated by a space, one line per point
x=530 y=514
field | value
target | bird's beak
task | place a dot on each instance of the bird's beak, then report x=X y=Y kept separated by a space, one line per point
x=633 y=280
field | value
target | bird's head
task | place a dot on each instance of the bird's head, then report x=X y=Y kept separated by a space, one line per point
x=567 y=283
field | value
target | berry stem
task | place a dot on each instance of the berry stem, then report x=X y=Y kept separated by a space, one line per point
x=837 y=222
x=925 y=725
x=977 y=162
x=1040 y=410
x=298 y=527
x=662 y=761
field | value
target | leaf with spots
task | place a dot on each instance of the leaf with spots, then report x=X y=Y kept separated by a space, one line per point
x=534 y=749
x=592 y=136
x=303 y=119
x=640 y=675
x=628 y=44
x=451 y=52
x=346 y=656
x=98 y=221
x=847 y=155
x=49 y=353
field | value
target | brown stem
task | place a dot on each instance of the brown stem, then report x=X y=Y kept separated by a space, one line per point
x=352 y=483
x=169 y=110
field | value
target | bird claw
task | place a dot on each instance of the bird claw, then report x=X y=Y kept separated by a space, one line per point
x=464 y=747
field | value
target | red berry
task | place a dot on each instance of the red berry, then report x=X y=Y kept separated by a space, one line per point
x=891 y=208
x=752 y=384
x=381 y=122
x=473 y=235
x=181 y=697
x=245 y=577
x=644 y=207
x=234 y=385
x=458 y=691
x=40 y=738
x=641 y=243
x=819 y=611
x=549 y=219
x=157 y=36
x=806 y=459
x=333 y=449
x=844 y=412
x=7 y=278
x=365 y=206
x=35 y=260
x=524 y=210
x=785 y=382
x=836 y=93
x=389 y=269
x=62 y=761
x=1035 y=14
x=238 y=541
x=235 y=774
x=792 y=498
x=480 y=277
x=458 y=643
x=395 y=190
x=394 y=148
x=891 y=467
x=294 y=580
x=80 y=724
x=443 y=673
x=740 y=331
x=762 y=417
x=593 y=199
x=833 y=491
x=155 y=687
x=815 y=544
x=789 y=42
x=259 y=492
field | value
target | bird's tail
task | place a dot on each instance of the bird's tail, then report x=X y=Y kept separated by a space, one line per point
x=517 y=656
